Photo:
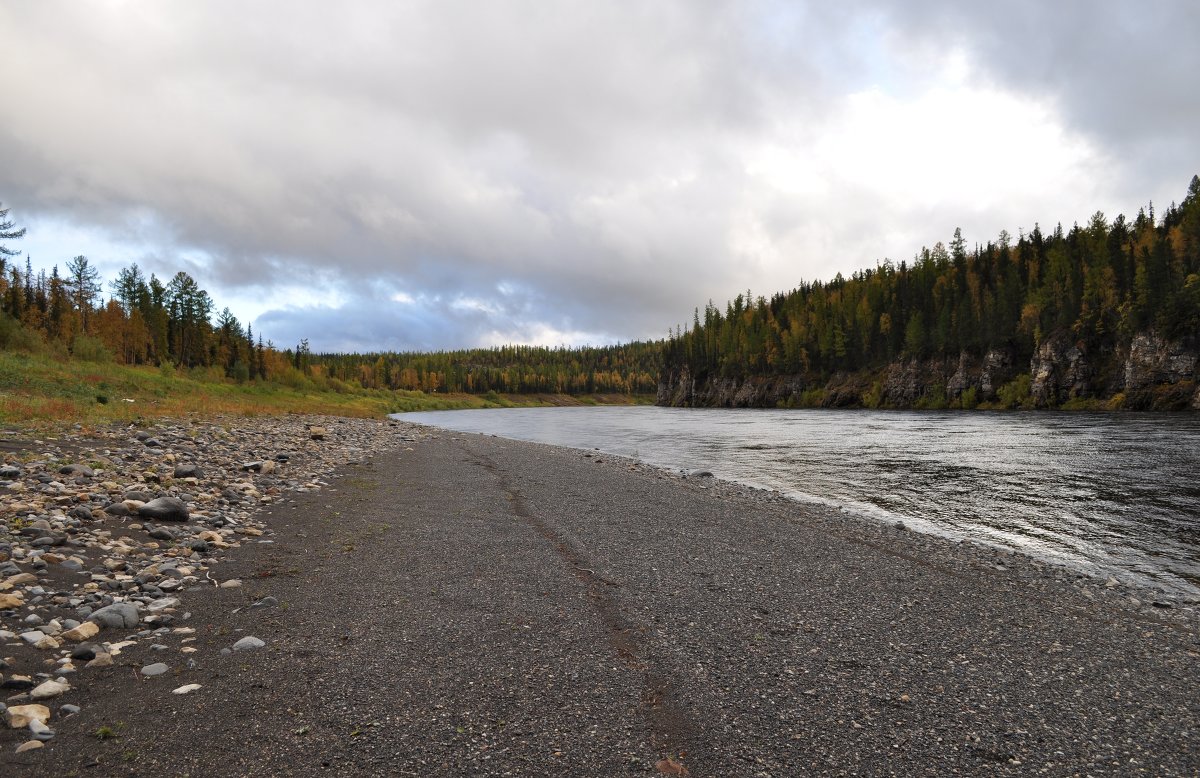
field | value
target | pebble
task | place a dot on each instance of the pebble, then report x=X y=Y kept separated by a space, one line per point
x=158 y=668
x=186 y=688
x=30 y=745
x=248 y=643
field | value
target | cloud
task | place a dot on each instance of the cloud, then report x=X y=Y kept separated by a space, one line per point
x=1123 y=75
x=379 y=177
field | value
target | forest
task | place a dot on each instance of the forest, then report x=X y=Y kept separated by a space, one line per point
x=1096 y=284
x=146 y=321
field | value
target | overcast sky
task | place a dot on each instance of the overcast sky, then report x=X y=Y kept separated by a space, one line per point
x=419 y=175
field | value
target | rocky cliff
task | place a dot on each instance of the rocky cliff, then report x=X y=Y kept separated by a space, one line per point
x=1149 y=372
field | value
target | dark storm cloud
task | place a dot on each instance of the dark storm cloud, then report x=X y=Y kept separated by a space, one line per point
x=601 y=158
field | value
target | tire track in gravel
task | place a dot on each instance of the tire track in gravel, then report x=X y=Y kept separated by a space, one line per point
x=672 y=729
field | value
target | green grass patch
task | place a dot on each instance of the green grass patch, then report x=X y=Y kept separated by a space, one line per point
x=37 y=389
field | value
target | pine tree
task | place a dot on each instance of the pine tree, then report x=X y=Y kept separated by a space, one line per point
x=8 y=231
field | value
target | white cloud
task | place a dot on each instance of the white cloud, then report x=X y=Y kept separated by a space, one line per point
x=531 y=171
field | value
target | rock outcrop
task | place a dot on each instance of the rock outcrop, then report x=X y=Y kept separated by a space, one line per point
x=1059 y=371
x=1151 y=371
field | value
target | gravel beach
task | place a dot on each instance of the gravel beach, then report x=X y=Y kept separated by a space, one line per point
x=386 y=599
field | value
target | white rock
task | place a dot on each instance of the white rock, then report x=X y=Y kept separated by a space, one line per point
x=247 y=643
x=49 y=689
x=186 y=688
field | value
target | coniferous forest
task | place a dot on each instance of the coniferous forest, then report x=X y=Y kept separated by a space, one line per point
x=1108 y=310
x=1088 y=291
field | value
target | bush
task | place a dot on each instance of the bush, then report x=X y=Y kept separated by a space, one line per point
x=873 y=397
x=1015 y=394
x=240 y=372
x=933 y=400
x=211 y=374
x=90 y=349
x=969 y=399
x=14 y=337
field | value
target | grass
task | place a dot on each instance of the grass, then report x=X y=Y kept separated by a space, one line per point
x=42 y=390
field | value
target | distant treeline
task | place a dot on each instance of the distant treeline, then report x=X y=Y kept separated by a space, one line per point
x=1099 y=282
x=146 y=321
x=627 y=369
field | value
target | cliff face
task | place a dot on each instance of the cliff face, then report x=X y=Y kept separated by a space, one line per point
x=1149 y=372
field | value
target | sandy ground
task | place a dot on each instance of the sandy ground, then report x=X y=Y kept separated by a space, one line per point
x=478 y=606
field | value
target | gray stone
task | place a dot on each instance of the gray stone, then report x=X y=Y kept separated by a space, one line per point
x=82 y=470
x=247 y=643
x=188 y=471
x=8 y=471
x=700 y=474
x=158 y=668
x=40 y=730
x=33 y=636
x=118 y=615
x=164 y=509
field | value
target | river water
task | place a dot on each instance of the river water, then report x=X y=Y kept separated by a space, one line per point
x=1108 y=494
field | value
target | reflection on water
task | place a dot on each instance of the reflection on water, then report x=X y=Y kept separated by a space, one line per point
x=1111 y=494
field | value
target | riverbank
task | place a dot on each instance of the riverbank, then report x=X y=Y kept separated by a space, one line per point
x=432 y=603
x=46 y=392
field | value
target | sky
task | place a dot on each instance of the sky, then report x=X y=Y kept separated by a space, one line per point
x=384 y=175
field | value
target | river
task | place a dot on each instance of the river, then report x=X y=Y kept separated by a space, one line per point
x=1108 y=494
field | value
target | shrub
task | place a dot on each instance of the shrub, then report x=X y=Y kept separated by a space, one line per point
x=240 y=372
x=90 y=349
x=873 y=397
x=14 y=336
x=933 y=400
x=1015 y=394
